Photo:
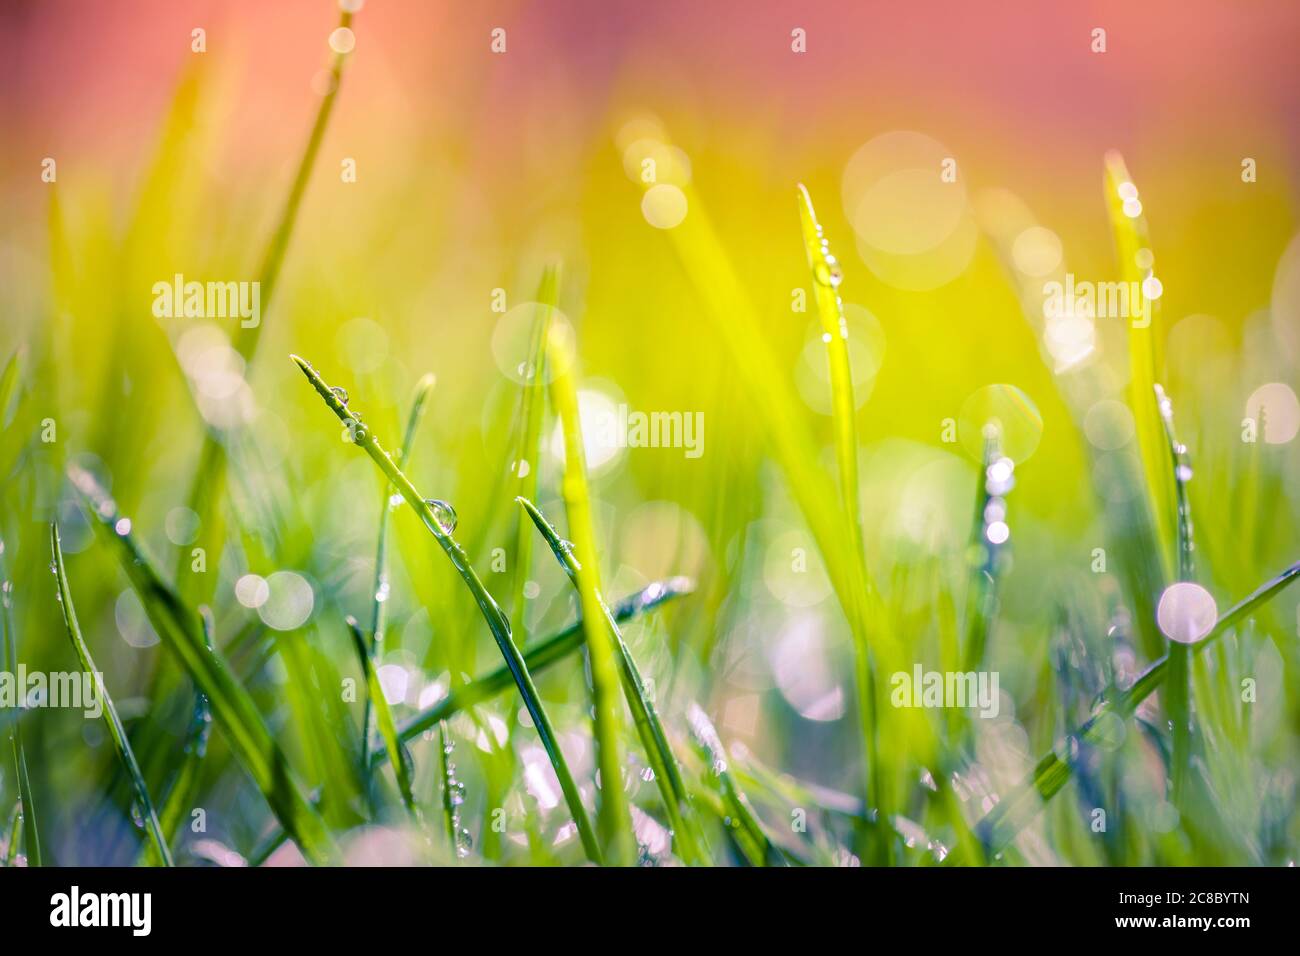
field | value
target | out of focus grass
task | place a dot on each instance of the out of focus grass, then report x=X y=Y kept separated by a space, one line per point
x=758 y=729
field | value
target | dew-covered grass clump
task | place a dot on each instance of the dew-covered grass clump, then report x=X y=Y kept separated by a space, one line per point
x=639 y=502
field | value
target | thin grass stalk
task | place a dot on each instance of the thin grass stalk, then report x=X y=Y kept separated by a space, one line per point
x=452 y=795
x=15 y=830
x=181 y=631
x=613 y=817
x=398 y=756
x=31 y=832
x=528 y=458
x=1001 y=825
x=492 y=614
x=209 y=479
x=827 y=276
x=1178 y=699
x=177 y=802
x=378 y=613
x=121 y=743
x=688 y=840
x=1131 y=238
x=743 y=823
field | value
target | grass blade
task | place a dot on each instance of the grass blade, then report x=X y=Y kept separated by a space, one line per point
x=745 y=828
x=1178 y=698
x=668 y=774
x=403 y=768
x=185 y=782
x=1000 y=826
x=380 y=590
x=835 y=332
x=614 y=819
x=453 y=795
x=181 y=631
x=209 y=478
x=532 y=406
x=496 y=621
x=120 y=741
x=31 y=833
x=1131 y=239
x=8 y=386
x=15 y=833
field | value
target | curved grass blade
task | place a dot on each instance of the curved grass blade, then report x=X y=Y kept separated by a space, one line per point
x=1133 y=247
x=668 y=774
x=209 y=478
x=835 y=333
x=1000 y=826
x=1178 y=698
x=31 y=832
x=380 y=590
x=120 y=741
x=614 y=819
x=181 y=630
x=745 y=829
x=496 y=621
x=403 y=768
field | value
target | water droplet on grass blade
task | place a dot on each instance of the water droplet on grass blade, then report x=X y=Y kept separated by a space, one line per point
x=340 y=393
x=443 y=513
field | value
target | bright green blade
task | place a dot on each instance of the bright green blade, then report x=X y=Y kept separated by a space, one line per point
x=614 y=819
x=688 y=839
x=181 y=631
x=496 y=621
x=120 y=741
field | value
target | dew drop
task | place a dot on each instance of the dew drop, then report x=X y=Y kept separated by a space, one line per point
x=443 y=513
x=340 y=393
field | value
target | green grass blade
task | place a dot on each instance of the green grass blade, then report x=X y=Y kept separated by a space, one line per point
x=982 y=598
x=745 y=827
x=120 y=741
x=835 y=331
x=453 y=795
x=496 y=621
x=181 y=630
x=1131 y=237
x=380 y=590
x=532 y=406
x=1179 y=696
x=614 y=819
x=209 y=478
x=179 y=798
x=687 y=838
x=9 y=386
x=15 y=829
x=399 y=757
x=31 y=834
x=1000 y=826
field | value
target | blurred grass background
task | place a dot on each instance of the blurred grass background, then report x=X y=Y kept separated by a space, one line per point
x=474 y=170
